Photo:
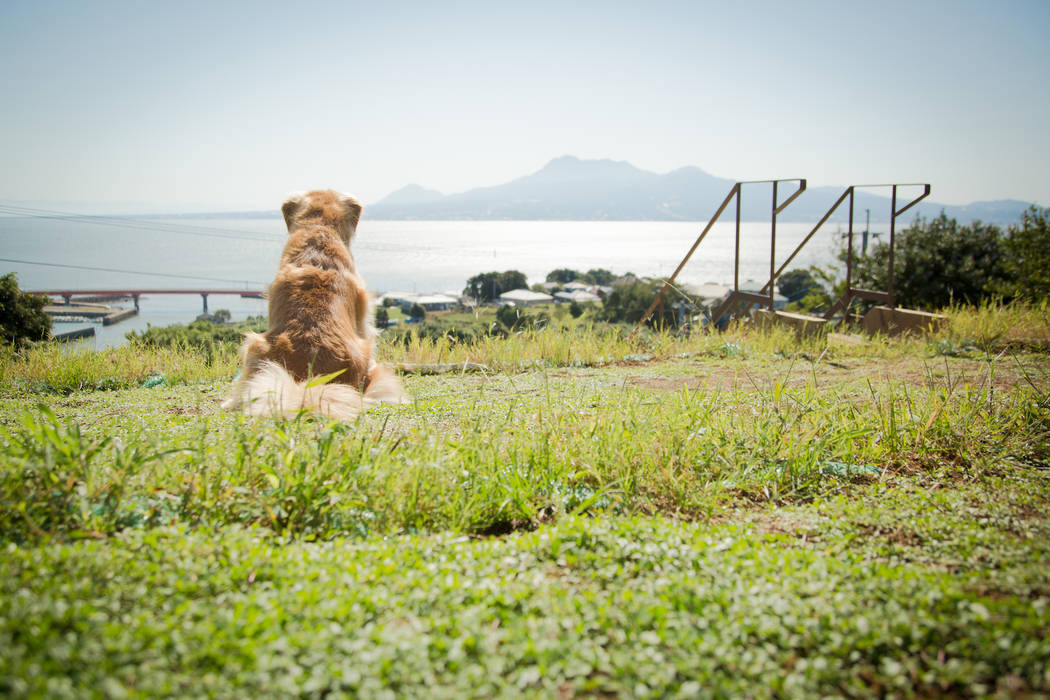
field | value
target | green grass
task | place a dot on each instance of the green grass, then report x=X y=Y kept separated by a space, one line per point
x=730 y=515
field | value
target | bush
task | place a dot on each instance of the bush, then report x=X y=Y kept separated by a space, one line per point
x=803 y=290
x=1026 y=257
x=599 y=275
x=22 y=317
x=202 y=335
x=489 y=285
x=513 y=318
x=937 y=262
x=628 y=302
x=563 y=275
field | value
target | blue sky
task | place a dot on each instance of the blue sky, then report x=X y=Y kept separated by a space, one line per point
x=234 y=104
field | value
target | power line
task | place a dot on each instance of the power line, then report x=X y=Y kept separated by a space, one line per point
x=202 y=231
x=130 y=272
x=137 y=224
x=140 y=224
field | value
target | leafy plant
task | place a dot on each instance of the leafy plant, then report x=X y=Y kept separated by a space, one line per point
x=487 y=286
x=937 y=262
x=22 y=317
x=628 y=302
x=1026 y=262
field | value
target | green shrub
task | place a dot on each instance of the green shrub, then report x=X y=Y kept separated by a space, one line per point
x=628 y=302
x=1026 y=260
x=937 y=262
x=22 y=317
x=489 y=285
x=210 y=338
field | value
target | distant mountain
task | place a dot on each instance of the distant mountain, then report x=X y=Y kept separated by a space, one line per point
x=412 y=194
x=568 y=188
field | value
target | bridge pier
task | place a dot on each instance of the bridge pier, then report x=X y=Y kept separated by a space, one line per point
x=136 y=298
x=68 y=298
x=205 y=298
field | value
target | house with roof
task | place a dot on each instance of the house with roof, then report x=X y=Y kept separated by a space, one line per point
x=580 y=296
x=524 y=297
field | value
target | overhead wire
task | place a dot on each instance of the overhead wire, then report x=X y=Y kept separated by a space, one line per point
x=137 y=223
x=130 y=272
x=147 y=224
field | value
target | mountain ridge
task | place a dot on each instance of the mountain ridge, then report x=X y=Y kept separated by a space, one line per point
x=571 y=188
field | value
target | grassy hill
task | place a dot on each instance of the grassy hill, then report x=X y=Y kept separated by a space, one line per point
x=570 y=514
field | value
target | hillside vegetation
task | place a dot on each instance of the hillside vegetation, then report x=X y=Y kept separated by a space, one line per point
x=559 y=513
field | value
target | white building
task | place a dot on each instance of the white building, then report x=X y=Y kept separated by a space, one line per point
x=580 y=296
x=524 y=297
x=430 y=302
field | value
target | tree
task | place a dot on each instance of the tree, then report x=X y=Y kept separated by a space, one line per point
x=487 y=286
x=510 y=317
x=795 y=284
x=1026 y=256
x=563 y=275
x=600 y=276
x=628 y=302
x=803 y=290
x=22 y=317
x=417 y=311
x=936 y=262
x=382 y=317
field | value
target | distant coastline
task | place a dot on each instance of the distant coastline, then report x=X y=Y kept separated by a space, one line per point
x=571 y=189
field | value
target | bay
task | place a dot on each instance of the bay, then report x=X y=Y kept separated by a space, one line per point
x=241 y=254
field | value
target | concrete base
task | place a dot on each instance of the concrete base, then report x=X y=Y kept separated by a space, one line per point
x=802 y=324
x=93 y=312
x=118 y=315
x=882 y=319
x=78 y=334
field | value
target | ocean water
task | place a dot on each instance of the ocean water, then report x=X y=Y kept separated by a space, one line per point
x=241 y=254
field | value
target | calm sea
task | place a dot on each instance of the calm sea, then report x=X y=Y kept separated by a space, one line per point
x=240 y=254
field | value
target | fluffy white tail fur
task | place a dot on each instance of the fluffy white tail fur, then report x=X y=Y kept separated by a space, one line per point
x=271 y=391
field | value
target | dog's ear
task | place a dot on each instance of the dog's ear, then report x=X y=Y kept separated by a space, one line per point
x=290 y=208
x=353 y=211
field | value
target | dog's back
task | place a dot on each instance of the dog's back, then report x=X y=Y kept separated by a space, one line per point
x=319 y=310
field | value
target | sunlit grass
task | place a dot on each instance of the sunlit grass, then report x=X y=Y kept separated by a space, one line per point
x=745 y=514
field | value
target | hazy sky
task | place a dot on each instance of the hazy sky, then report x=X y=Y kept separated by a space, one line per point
x=235 y=104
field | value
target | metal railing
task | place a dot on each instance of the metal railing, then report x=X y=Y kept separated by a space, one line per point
x=887 y=296
x=764 y=296
x=736 y=296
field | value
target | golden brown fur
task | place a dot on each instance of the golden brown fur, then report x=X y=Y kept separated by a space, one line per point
x=320 y=321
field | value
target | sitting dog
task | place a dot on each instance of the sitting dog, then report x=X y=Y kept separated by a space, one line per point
x=320 y=323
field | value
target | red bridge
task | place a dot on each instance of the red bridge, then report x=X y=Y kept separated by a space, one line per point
x=68 y=294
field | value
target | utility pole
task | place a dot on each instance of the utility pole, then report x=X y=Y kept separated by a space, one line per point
x=867 y=227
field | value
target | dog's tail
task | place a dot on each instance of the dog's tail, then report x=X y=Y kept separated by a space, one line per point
x=272 y=391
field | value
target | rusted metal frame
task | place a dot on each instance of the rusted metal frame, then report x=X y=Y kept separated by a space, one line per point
x=848 y=192
x=870 y=295
x=736 y=250
x=774 y=213
x=736 y=296
x=849 y=258
x=849 y=249
x=852 y=293
x=733 y=192
x=772 y=244
x=893 y=232
x=893 y=229
x=777 y=208
x=751 y=297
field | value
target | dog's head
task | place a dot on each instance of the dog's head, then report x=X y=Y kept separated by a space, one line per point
x=323 y=207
